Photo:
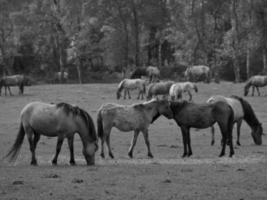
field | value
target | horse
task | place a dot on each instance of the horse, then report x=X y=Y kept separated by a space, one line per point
x=255 y=82
x=136 y=117
x=151 y=72
x=197 y=73
x=62 y=120
x=160 y=88
x=177 y=89
x=242 y=110
x=14 y=80
x=131 y=84
x=188 y=114
x=57 y=77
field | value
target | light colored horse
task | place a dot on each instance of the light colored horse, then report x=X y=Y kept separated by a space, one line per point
x=255 y=82
x=160 y=88
x=136 y=117
x=197 y=72
x=131 y=84
x=177 y=89
x=56 y=120
x=242 y=110
x=58 y=77
x=14 y=80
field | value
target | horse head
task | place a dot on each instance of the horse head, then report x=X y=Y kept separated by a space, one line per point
x=164 y=109
x=257 y=133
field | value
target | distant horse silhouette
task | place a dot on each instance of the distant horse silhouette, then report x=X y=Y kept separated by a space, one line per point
x=57 y=77
x=255 y=82
x=197 y=73
x=177 y=89
x=242 y=110
x=151 y=72
x=160 y=88
x=136 y=117
x=14 y=80
x=191 y=115
x=61 y=120
x=131 y=84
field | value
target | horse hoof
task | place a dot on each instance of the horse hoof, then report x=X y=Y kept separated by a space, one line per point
x=130 y=154
x=189 y=154
x=54 y=162
x=238 y=143
x=221 y=155
x=34 y=163
x=150 y=155
x=184 y=155
x=212 y=143
x=111 y=155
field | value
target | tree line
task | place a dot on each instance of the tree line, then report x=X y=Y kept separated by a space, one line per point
x=94 y=36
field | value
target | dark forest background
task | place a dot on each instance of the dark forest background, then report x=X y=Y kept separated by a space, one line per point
x=98 y=40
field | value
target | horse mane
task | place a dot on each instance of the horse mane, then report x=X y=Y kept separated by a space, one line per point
x=75 y=110
x=249 y=114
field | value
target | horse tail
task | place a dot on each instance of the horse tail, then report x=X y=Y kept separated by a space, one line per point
x=247 y=86
x=195 y=87
x=230 y=121
x=100 y=130
x=13 y=152
x=120 y=88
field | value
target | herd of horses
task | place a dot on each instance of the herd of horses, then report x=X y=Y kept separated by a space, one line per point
x=63 y=120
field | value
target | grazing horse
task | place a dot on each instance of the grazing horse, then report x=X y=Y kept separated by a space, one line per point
x=197 y=73
x=61 y=120
x=136 y=117
x=151 y=72
x=242 y=110
x=255 y=82
x=14 y=80
x=177 y=89
x=131 y=84
x=160 y=88
x=189 y=114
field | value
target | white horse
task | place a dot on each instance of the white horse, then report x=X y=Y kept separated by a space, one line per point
x=131 y=84
x=242 y=110
x=177 y=89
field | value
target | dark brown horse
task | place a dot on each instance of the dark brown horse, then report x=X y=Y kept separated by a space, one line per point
x=151 y=72
x=56 y=120
x=191 y=115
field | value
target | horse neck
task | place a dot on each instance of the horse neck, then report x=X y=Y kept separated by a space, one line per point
x=153 y=113
x=121 y=86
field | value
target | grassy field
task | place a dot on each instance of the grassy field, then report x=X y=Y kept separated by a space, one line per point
x=167 y=176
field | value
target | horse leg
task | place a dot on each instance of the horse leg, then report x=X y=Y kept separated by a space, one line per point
x=32 y=142
x=109 y=148
x=125 y=93
x=183 y=130
x=258 y=91
x=129 y=95
x=238 y=125
x=59 y=144
x=70 y=143
x=145 y=134
x=230 y=138
x=212 y=135
x=190 y=95
x=106 y=130
x=189 y=153
x=130 y=152
x=253 y=88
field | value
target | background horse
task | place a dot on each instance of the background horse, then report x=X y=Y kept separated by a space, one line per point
x=131 y=84
x=177 y=89
x=135 y=118
x=61 y=120
x=188 y=114
x=57 y=77
x=14 y=80
x=151 y=72
x=255 y=82
x=242 y=110
x=160 y=88
x=197 y=73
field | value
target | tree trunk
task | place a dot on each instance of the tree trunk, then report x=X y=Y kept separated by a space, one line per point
x=248 y=61
x=264 y=61
x=136 y=34
x=79 y=71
